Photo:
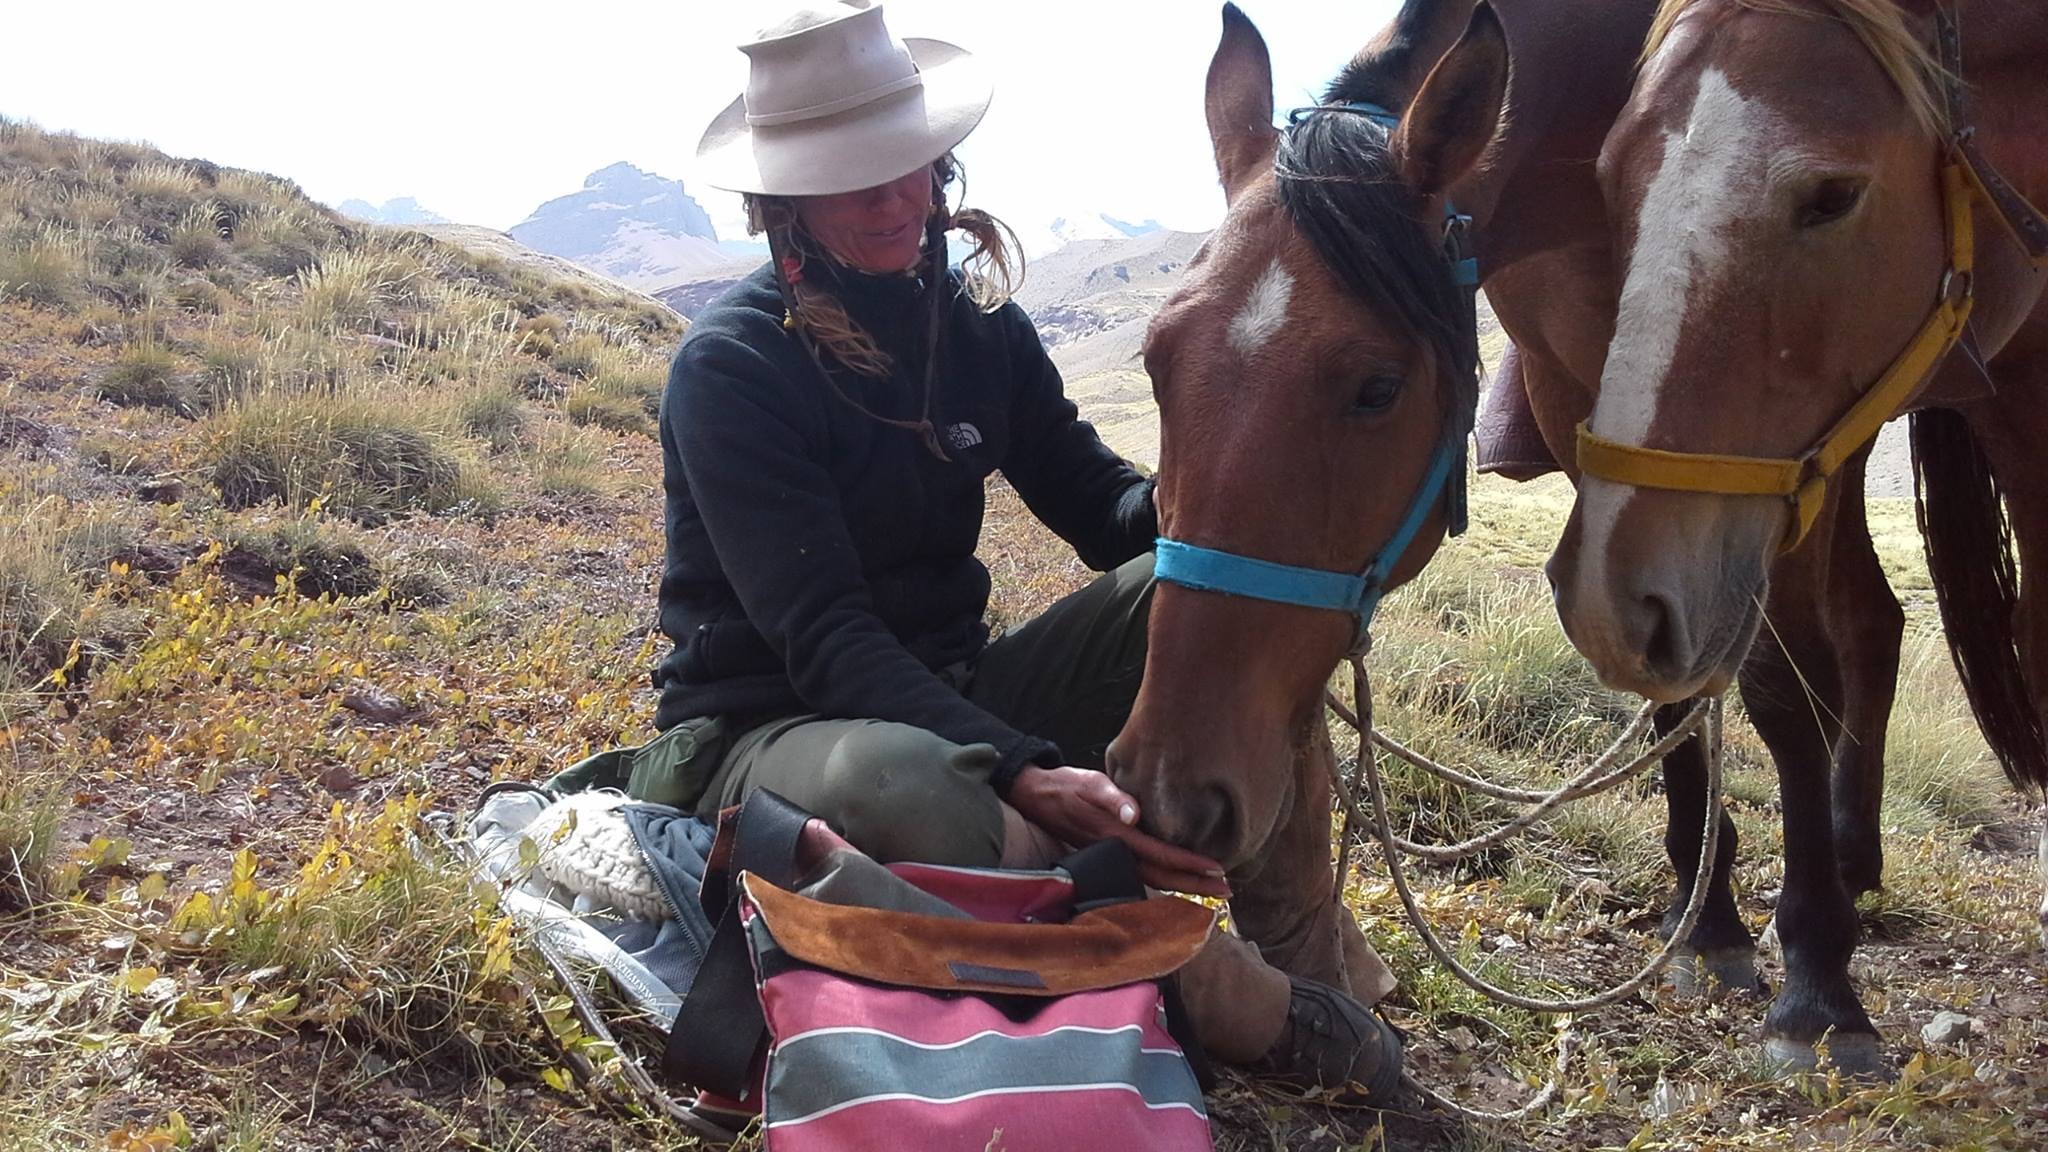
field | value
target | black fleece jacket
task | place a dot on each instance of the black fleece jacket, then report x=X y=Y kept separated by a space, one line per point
x=822 y=561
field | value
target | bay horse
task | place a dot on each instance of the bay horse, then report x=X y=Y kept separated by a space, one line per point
x=1801 y=259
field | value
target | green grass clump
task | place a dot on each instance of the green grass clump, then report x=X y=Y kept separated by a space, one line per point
x=361 y=456
x=346 y=290
x=197 y=241
x=318 y=557
x=572 y=464
x=45 y=266
x=41 y=605
x=594 y=407
x=33 y=802
x=151 y=376
x=493 y=413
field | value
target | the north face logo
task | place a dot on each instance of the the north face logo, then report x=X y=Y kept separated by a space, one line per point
x=962 y=436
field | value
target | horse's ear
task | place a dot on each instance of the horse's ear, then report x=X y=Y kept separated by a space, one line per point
x=1239 y=103
x=1453 y=118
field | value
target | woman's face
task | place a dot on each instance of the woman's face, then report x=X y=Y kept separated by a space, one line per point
x=879 y=229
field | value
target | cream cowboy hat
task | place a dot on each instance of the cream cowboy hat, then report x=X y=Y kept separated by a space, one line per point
x=834 y=103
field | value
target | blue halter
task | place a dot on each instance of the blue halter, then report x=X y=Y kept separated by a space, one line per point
x=1211 y=570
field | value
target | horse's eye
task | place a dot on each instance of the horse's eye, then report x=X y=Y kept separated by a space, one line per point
x=1378 y=393
x=1830 y=200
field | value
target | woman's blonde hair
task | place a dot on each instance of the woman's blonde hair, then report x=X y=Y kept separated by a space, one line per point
x=992 y=269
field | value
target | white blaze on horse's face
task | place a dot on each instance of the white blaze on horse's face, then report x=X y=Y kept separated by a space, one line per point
x=1264 y=312
x=1715 y=167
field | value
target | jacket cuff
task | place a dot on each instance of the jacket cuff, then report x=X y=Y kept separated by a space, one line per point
x=1030 y=752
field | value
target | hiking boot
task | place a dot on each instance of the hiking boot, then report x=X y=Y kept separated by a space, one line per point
x=1335 y=1043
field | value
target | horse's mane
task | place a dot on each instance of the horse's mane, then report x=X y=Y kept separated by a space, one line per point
x=1338 y=180
x=1881 y=27
x=1375 y=75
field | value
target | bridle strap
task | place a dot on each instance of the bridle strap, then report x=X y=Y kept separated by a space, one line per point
x=2028 y=228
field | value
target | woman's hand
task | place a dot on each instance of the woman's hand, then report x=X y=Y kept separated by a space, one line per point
x=1082 y=806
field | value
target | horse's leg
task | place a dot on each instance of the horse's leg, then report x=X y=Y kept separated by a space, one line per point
x=1864 y=618
x=1720 y=950
x=1792 y=687
x=1287 y=901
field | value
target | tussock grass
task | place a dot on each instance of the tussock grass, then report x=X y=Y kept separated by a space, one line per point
x=282 y=240
x=41 y=605
x=622 y=414
x=571 y=463
x=318 y=557
x=45 y=266
x=150 y=375
x=33 y=801
x=491 y=411
x=197 y=242
x=347 y=290
x=1938 y=771
x=162 y=179
x=367 y=457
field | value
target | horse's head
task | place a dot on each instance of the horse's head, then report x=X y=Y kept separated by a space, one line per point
x=1310 y=372
x=1776 y=190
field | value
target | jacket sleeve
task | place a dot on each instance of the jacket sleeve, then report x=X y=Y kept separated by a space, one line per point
x=773 y=516
x=1068 y=477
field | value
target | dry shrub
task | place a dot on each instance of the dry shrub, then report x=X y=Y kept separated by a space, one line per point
x=361 y=456
x=571 y=463
x=149 y=375
x=44 y=266
x=622 y=414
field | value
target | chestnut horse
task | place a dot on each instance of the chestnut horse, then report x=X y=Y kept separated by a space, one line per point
x=1799 y=257
x=1252 y=430
x=1327 y=378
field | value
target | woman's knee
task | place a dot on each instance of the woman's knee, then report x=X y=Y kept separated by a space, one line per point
x=899 y=792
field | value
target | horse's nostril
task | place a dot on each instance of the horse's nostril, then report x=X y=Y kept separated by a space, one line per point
x=1663 y=641
x=1212 y=824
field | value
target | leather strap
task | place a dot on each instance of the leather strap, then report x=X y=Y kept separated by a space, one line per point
x=719 y=1029
x=2029 y=229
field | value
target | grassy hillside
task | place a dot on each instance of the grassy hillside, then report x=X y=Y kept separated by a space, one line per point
x=311 y=529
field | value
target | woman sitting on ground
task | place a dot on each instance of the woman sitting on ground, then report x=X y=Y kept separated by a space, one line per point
x=827 y=432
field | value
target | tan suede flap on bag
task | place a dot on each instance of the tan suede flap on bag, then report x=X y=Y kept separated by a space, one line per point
x=1104 y=948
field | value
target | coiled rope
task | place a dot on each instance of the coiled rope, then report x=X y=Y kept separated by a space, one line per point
x=1704 y=720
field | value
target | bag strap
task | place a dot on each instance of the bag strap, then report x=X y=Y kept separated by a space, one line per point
x=719 y=1028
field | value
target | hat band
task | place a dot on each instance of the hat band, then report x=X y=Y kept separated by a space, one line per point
x=829 y=107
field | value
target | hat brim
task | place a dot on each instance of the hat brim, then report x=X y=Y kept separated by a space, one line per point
x=858 y=148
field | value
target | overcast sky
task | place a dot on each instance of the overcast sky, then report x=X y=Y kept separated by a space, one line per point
x=483 y=111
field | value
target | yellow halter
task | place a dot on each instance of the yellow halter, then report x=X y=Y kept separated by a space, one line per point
x=1803 y=481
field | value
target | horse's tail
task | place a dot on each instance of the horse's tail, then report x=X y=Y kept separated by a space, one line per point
x=1976 y=583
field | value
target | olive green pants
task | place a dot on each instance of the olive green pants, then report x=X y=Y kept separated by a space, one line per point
x=899 y=792
x=1070 y=675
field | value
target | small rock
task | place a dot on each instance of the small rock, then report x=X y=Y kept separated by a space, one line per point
x=1948 y=1028
x=161 y=491
x=339 y=779
x=119 y=944
x=1670 y=1100
x=376 y=706
x=1461 y=1039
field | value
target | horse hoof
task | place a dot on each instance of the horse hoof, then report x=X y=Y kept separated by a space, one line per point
x=1713 y=971
x=1855 y=1054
